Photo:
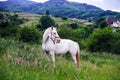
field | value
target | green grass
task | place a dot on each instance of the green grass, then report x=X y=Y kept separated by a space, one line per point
x=33 y=19
x=22 y=61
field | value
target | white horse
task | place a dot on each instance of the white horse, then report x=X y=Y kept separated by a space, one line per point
x=52 y=44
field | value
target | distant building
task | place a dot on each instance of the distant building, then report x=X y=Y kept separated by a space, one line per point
x=113 y=23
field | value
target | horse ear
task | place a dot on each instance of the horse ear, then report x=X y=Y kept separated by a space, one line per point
x=55 y=27
x=52 y=27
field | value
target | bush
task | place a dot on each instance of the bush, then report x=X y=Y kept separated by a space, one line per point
x=1 y=16
x=4 y=24
x=9 y=32
x=116 y=43
x=30 y=35
x=64 y=18
x=100 y=40
x=7 y=20
x=104 y=40
x=79 y=35
x=74 y=25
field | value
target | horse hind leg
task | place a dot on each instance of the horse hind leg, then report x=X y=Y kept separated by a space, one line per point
x=76 y=59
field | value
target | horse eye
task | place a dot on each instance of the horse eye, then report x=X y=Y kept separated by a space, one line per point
x=54 y=33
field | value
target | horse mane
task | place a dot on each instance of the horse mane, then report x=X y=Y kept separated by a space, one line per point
x=45 y=35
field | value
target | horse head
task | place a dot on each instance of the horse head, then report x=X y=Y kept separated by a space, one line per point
x=51 y=33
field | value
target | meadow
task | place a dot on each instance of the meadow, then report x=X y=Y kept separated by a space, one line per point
x=24 y=61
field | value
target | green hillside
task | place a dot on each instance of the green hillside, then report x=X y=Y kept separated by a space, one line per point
x=22 y=58
x=33 y=19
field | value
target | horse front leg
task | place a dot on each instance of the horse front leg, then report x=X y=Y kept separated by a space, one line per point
x=47 y=55
x=53 y=58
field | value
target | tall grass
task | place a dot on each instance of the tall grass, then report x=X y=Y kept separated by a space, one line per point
x=21 y=61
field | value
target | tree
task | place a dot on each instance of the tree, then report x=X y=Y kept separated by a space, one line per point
x=46 y=21
x=98 y=22
x=1 y=16
x=103 y=24
x=47 y=12
x=74 y=25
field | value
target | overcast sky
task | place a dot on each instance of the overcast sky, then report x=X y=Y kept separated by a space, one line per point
x=113 y=5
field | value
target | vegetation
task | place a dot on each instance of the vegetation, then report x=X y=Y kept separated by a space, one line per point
x=47 y=12
x=46 y=21
x=10 y=32
x=104 y=40
x=74 y=25
x=21 y=61
x=7 y=20
x=70 y=9
x=101 y=23
x=31 y=35
x=79 y=35
x=64 y=18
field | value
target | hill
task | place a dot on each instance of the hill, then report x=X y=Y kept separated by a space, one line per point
x=16 y=2
x=60 y=8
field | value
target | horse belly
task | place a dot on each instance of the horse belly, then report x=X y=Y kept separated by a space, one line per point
x=61 y=49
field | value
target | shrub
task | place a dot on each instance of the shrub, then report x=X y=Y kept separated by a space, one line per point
x=56 y=16
x=74 y=25
x=100 y=40
x=3 y=46
x=64 y=18
x=30 y=35
x=1 y=16
x=65 y=31
x=116 y=43
x=78 y=35
x=9 y=32
x=104 y=40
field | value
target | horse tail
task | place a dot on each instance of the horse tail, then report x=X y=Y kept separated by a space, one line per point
x=78 y=57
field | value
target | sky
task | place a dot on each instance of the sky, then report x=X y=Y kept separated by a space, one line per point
x=113 y=5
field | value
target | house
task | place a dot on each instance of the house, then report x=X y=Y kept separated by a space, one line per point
x=116 y=24
x=113 y=23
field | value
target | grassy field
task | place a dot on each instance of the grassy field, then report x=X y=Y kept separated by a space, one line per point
x=22 y=61
x=33 y=19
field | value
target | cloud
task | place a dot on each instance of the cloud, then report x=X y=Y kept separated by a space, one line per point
x=3 y=0
x=116 y=10
x=100 y=0
x=81 y=1
x=39 y=0
x=89 y=1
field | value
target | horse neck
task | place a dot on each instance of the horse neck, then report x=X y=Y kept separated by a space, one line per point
x=47 y=40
